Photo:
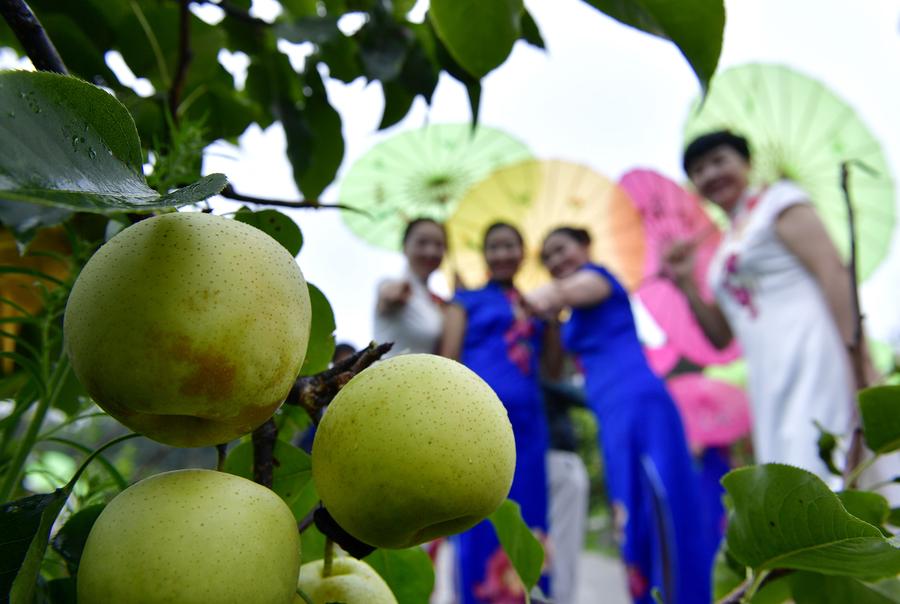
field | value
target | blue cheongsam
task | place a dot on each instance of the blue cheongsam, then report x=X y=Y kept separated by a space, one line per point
x=504 y=352
x=651 y=482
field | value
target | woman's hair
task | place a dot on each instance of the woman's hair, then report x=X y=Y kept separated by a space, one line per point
x=578 y=235
x=705 y=143
x=502 y=225
x=412 y=224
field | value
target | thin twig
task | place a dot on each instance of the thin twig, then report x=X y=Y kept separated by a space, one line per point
x=857 y=355
x=740 y=593
x=31 y=35
x=185 y=56
x=264 y=439
x=230 y=193
x=313 y=393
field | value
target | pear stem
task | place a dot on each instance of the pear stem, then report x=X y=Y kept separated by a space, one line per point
x=329 y=556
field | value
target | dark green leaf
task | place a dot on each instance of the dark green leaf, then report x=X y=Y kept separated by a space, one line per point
x=321 y=336
x=728 y=573
x=69 y=144
x=775 y=591
x=402 y=7
x=293 y=468
x=397 y=102
x=325 y=137
x=478 y=34
x=827 y=445
x=318 y=30
x=880 y=409
x=24 y=529
x=69 y=541
x=278 y=226
x=24 y=219
x=894 y=517
x=525 y=552
x=866 y=505
x=695 y=26
x=58 y=591
x=342 y=57
x=530 y=31
x=312 y=544
x=383 y=45
x=813 y=588
x=785 y=517
x=408 y=572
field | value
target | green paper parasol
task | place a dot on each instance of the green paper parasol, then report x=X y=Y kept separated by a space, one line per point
x=799 y=129
x=418 y=173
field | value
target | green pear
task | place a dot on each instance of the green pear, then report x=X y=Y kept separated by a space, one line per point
x=411 y=449
x=192 y=537
x=351 y=581
x=189 y=328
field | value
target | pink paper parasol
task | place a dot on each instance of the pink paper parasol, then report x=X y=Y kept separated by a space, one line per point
x=670 y=214
x=714 y=413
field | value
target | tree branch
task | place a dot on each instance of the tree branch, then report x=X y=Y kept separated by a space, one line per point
x=31 y=35
x=185 y=55
x=264 y=439
x=313 y=393
x=230 y=193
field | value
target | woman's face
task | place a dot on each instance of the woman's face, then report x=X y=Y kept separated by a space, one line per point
x=424 y=248
x=721 y=175
x=503 y=254
x=562 y=255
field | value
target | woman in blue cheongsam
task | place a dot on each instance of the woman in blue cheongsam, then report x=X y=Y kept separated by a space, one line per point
x=490 y=331
x=650 y=479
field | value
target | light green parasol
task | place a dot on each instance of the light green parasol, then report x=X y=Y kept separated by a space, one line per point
x=799 y=129
x=420 y=173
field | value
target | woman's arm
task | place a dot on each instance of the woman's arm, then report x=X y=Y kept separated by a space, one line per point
x=392 y=295
x=552 y=351
x=678 y=263
x=582 y=288
x=802 y=232
x=454 y=332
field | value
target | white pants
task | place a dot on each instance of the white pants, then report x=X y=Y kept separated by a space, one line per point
x=568 y=506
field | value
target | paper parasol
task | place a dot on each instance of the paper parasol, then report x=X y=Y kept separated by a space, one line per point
x=420 y=173
x=671 y=213
x=714 y=413
x=800 y=130
x=537 y=196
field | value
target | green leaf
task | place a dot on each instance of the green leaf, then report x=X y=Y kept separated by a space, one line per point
x=273 y=223
x=813 y=588
x=866 y=505
x=479 y=35
x=383 y=45
x=69 y=541
x=315 y=29
x=397 y=102
x=531 y=33
x=323 y=123
x=312 y=544
x=321 y=336
x=292 y=472
x=525 y=552
x=695 y=26
x=827 y=445
x=69 y=144
x=894 y=517
x=880 y=409
x=408 y=572
x=25 y=527
x=728 y=573
x=785 y=517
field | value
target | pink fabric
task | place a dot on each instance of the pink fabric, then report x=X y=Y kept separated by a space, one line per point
x=714 y=413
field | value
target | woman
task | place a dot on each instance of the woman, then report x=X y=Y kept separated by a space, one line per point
x=781 y=288
x=491 y=331
x=407 y=313
x=650 y=479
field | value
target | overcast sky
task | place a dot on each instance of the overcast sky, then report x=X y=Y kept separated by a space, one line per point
x=606 y=96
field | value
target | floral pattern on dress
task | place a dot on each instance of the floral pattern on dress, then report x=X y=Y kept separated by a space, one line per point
x=737 y=286
x=501 y=583
x=518 y=336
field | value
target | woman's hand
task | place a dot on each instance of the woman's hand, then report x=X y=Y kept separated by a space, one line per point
x=393 y=295
x=543 y=302
x=679 y=262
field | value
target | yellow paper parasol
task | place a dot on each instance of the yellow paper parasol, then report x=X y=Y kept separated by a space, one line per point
x=537 y=196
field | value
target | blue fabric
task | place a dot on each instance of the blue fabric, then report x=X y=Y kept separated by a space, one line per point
x=486 y=351
x=650 y=478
